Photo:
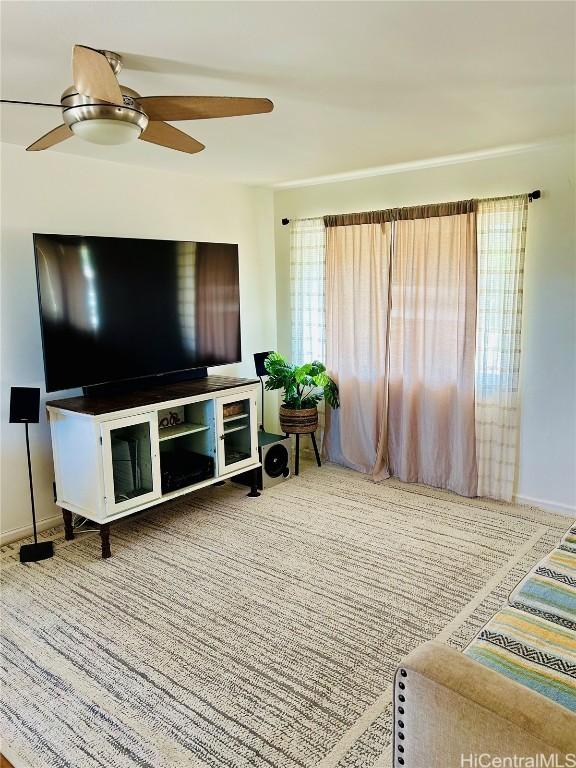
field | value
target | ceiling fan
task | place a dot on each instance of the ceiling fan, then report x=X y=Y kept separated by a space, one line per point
x=99 y=109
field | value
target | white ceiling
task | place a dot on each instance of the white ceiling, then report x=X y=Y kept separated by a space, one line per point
x=355 y=84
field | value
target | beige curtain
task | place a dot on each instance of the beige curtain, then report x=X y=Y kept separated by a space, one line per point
x=501 y=245
x=424 y=310
x=357 y=295
x=432 y=344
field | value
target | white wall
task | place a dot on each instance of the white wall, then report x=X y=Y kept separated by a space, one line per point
x=547 y=472
x=54 y=192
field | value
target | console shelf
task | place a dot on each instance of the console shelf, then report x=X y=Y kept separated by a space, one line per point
x=236 y=416
x=188 y=489
x=228 y=430
x=178 y=430
x=112 y=462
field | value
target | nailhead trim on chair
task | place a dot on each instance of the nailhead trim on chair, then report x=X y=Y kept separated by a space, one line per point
x=399 y=724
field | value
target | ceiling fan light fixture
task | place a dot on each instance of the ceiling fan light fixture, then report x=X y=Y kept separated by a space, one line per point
x=98 y=109
x=106 y=131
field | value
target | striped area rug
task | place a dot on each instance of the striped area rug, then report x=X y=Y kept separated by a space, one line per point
x=229 y=631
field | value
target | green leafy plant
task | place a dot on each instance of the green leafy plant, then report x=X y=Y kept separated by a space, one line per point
x=304 y=385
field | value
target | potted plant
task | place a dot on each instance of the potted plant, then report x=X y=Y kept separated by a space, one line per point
x=304 y=387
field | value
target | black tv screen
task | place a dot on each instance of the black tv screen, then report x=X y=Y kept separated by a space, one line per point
x=115 y=308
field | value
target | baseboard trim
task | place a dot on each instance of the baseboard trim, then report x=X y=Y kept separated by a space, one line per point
x=7 y=537
x=550 y=506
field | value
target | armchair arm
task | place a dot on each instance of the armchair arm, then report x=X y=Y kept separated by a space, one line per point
x=449 y=710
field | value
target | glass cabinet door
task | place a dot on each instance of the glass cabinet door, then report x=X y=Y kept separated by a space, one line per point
x=237 y=431
x=131 y=462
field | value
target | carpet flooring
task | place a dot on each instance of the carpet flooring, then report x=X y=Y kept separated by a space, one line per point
x=230 y=631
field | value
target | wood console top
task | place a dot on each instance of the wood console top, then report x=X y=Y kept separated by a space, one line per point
x=123 y=401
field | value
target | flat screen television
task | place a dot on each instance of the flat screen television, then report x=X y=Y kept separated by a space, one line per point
x=117 y=308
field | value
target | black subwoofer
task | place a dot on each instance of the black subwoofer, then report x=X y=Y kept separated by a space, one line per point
x=274 y=453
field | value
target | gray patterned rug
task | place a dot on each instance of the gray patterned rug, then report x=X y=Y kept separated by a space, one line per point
x=229 y=631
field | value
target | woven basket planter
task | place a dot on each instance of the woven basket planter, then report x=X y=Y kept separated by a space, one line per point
x=298 y=422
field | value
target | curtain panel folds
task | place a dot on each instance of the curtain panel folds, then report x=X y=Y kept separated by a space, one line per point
x=307 y=296
x=401 y=214
x=400 y=330
x=357 y=311
x=307 y=289
x=501 y=246
x=423 y=310
x=431 y=352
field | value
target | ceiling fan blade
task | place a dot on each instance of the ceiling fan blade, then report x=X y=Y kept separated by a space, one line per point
x=93 y=75
x=55 y=136
x=201 y=107
x=31 y=103
x=168 y=136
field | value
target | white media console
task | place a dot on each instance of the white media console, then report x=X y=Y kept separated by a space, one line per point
x=115 y=455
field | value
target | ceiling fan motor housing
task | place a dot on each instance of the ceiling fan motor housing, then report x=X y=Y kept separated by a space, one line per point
x=114 y=59
x=77 y=108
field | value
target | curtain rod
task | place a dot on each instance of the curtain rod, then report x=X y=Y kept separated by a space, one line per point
x=534 y=195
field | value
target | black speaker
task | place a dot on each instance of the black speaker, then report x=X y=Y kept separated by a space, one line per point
x=259 y=358
x=24 y=405
x=274 y=452
x=25 y=409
